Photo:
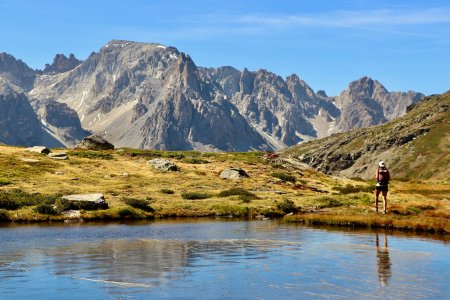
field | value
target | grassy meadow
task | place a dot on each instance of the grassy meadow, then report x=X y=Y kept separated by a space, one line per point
x=31 y=186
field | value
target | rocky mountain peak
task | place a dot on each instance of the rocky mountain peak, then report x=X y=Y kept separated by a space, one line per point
x=365 y=88
x=62 y=64
x=16 y=71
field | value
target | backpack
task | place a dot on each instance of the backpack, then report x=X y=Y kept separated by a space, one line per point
x=383 y=176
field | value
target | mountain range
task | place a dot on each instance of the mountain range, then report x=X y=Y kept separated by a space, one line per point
x=147 y=95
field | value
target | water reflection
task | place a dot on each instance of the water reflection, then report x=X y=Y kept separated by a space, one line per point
x=151 y=263
x=383 y=261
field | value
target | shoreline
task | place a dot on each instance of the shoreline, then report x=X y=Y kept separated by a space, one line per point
x=394 y=222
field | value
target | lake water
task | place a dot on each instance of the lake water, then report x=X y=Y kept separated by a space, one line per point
x=198 y=259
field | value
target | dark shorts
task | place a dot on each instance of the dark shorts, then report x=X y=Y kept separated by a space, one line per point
x=382 y=188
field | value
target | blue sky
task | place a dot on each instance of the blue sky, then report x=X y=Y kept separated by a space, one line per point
x=328 y=43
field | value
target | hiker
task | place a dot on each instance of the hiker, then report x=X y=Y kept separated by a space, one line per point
x=383 y=178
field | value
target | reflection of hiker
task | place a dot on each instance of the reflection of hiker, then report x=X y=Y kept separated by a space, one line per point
x=383 y=178
x=383 y=261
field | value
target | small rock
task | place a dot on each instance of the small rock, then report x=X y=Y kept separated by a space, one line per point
x=57 y=154
x=162 y=164
x=233 y=173
x=59 y=157
x=125 y=174
x=59 y=173
x=39 y=149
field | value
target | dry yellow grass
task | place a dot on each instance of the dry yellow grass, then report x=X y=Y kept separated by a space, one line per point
x=418 y=205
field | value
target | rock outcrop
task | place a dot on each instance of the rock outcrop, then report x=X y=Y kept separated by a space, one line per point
x=233 y=173
x=62 y=64
x=95 y=142
x=162 y=164
x=39 y=149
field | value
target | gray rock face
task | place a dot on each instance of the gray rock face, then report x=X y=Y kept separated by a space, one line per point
x=18 y=122
x=39 y=149
x=62 y=64
x=366 y=102
x=60 y=120
x=162 y=164
x=233 y=173
x=95 y=142
x=16 y=71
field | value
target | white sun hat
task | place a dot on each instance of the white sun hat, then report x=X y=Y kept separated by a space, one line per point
x=381 y=164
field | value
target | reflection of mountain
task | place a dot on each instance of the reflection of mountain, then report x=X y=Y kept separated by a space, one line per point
x=150 y=263
x=383 y=261
x=144 y=263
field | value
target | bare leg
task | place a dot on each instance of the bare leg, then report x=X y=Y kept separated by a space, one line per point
x=377 y=194
x=385 y=201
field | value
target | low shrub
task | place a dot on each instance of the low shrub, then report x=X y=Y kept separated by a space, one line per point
x=167 y=191
x=287 y=206
x=195 y=160
x=328 y=202
x=4 y=216
x=139 y=204
x=15 y=199
x=47 y=209
x=128 y=213
x=237 y=192
x=232 y=210
x=351 y=189
x=4 y=181
x=195 y=195
x=91 y=154
x=284 y=176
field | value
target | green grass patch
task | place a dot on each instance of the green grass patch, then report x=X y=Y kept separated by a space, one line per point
x=284 y=176
x=167 y=191
x=4 y=216
x=237 y=192
x=142 y=204
x=47 y=209
x=195 y=160
x=351 y=189
x=4 y=181
x=15 y=199
x=89 y=154
x=194 y=195
x=287 y=206
x=232 y=210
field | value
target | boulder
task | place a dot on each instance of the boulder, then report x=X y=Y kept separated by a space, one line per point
x=233 y=173
x=58 y=155
x=86 y=201
x=39 y=149
x=95 y=142
x=162 y=164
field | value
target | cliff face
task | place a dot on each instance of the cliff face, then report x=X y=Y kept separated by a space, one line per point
x=18 y=122
x=16 y=72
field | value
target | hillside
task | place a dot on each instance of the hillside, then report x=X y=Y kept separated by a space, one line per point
x=415 y=146
x=32 y=186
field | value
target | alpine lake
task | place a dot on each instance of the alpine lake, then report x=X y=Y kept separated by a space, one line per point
x=219 y=259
